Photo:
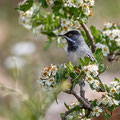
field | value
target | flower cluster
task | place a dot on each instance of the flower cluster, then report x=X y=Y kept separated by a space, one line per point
x=114 y=87
x=91 y=72
x=85 y=5
x=67 y=25
x=112 y=32
x=78 y=114
x=25 y=18
x=47 y=79
x=107 y=101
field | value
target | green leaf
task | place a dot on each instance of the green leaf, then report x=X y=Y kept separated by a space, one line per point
x=26 y=6
x=116 y=96
x=73 y=75
x=99 y=56
x=94 y=103
x=116 y=79
x=102 y=68
x=107 y=115
x=66 y=106
x=111 y=108
x=82 y=62
x=48 y=43
x=87 y=60
x=70 y=66
x=43 y=2
x=107 y=88
x=50 y=33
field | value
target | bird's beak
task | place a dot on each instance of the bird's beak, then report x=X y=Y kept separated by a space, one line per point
x=67 y=38
x=61 y=35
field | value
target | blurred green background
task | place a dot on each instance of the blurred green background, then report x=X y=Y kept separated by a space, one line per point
x=11 y=33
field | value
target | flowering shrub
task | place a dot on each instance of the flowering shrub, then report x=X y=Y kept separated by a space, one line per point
x=65 y=15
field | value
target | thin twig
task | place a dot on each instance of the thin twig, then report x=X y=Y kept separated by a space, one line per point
x=90 y=37
x=80 y=99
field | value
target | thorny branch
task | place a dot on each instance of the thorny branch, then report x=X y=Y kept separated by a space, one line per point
x=90 y=37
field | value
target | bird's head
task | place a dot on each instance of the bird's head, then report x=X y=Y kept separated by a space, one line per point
x=73 y=37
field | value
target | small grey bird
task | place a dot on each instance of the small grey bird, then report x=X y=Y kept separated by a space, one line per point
x=77 y=48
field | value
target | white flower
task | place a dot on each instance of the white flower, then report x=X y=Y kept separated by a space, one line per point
x=79 y=3
x=104 y=48
x=117 y=41
x=107 y=32
x=112 y=84
x=23 y=48
x=49 y=82
x=106 y=100
x=49 y=2
x=87 y=12
x=85 y=69
x=96 y=111
x=113 y=90
x=118 y=89
x=12 y=62
x=25 y=18
x=85 y=6
x=92 y=68
x=96 y=84
x=116 y=102
x=108 y=25
x=91 y=2
x=89 y=79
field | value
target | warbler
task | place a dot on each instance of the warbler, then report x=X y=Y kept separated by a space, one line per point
x=77 y=48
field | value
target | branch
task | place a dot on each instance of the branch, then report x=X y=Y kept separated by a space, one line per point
x=70 y=111
x=80 y=99
x=90 y=37
x=82 y=85
x=112 y=56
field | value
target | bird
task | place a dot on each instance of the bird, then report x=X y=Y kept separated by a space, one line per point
x=77 y=48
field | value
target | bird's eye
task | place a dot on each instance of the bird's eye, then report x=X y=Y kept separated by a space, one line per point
x=69 y=35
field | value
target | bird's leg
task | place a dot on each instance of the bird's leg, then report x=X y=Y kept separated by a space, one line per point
x=82 y=85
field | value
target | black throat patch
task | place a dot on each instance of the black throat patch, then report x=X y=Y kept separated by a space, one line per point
x=72 y=48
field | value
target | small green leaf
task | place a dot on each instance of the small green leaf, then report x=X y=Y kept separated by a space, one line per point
x=82 y=62
x=116 y=79
x=94 y=103
x=43 y=2
x=87 y=60
x=66 y=106
x=106 y=88
x=99 y=56
x=48 y=43
x=102 y=68
x=111 y=108
x=73 y=75
x=26 y=6
x=107 y=115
